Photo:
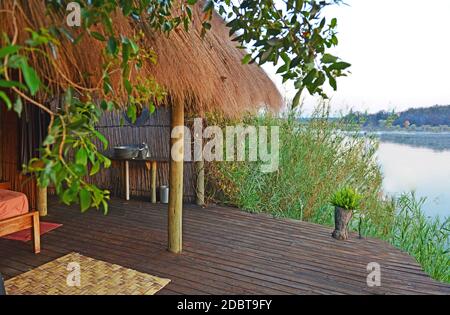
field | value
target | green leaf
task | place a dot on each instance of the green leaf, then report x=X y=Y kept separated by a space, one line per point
x=310 y=77
x=105 y=207
x=81 y=157
x=98 y=36
x=107 y=162
x=327 y=58
x=206 y=25
x=333 y=23
x=107 y=21
x=6 y=99
x=80 y=170
x=31 y=78
x=134 y=46
x=85 y=199
x=295 y=62
x=95 y=168
x=296 y=100
x=18 y=106
x=49 y=140
x=112 y=46
x=67 y=197
x=152 y=108
x=104 y=105
x=15 y=61
x=8 y=50
x=10 y=84
x=132 y=112
x=125 y=53
x=266 y=55
x=70 y=194
x=107 y=88
x=128 y=86
x=285 y=57
x=340 y=66
x=298 y=5
x=126 y=7
x=101 y=138
x=246 y=59
x=333 y=82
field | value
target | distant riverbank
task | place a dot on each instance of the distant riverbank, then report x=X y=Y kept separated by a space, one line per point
x=439 y=141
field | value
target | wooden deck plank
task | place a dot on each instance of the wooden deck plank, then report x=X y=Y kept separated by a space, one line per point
x=226 y=251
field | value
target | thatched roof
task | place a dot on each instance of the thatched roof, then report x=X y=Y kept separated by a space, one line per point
x=206 y=74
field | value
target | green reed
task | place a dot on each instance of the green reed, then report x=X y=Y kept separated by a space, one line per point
x=317 y=158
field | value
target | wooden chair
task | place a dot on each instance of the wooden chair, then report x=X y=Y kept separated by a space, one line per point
x=22 y=222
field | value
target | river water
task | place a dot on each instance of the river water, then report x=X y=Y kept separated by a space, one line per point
x=418 y=162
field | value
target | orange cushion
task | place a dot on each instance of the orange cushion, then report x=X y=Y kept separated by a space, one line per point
x=12 y=203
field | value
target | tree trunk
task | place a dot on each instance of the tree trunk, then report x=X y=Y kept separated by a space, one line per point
x=342 y=218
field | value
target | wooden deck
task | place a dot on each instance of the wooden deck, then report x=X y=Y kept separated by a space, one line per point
x=226 y=251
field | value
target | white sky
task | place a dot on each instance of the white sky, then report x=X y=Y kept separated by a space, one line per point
x=399 y=51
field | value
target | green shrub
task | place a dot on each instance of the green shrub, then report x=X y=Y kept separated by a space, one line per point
x=346 y=198
x=314 y=161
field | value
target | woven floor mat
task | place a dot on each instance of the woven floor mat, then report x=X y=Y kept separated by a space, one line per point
x=75 y=274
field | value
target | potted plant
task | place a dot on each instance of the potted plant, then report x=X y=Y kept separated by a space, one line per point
x=345 y=201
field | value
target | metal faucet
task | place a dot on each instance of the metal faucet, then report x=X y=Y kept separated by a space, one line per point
x=144 y=150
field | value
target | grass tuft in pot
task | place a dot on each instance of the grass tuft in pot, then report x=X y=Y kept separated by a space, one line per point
x=346 y=200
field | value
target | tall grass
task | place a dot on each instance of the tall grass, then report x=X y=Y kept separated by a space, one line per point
x=317 y=158
x=426 y=239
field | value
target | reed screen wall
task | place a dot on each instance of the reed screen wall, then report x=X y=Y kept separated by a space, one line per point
x=156 y=133
x=10 y=167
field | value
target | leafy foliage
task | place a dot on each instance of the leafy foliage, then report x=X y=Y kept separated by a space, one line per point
x=72 y=138
x=290 y=32
x=287 y=31
x=346 y=198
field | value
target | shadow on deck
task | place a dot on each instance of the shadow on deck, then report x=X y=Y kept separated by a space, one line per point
x=226 y=251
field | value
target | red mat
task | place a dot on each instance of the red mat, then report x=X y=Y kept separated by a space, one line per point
x=25 y=235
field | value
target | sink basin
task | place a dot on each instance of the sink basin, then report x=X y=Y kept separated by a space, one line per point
x=126 y=151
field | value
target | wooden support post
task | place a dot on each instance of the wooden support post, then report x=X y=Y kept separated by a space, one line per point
x=127 y=180
x=200 y=185
x=176 y=179
x=36 y=231
x=154 y=171
x=42 y=201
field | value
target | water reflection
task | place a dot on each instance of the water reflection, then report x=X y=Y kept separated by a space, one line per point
x=435 y=141
x=408 y=167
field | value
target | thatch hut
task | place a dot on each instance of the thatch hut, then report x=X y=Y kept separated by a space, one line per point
x=199 y=74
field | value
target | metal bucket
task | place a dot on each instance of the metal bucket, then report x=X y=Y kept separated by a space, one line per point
x=164 y=194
